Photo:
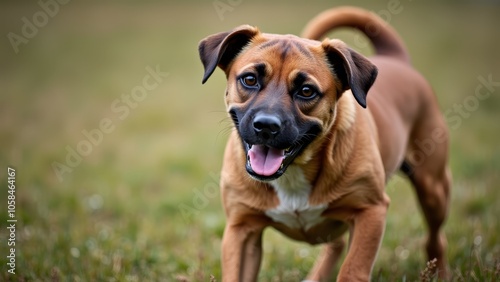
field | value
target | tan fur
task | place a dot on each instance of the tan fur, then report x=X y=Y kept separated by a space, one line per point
x=347 y=107
x=347 y=165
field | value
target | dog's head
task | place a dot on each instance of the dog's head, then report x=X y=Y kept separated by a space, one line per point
x=282 y=91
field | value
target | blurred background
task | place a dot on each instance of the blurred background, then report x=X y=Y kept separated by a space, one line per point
x=117 y=145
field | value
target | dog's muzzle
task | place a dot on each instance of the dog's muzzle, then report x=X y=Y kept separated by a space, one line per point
x=264 y=160
x=271 y=142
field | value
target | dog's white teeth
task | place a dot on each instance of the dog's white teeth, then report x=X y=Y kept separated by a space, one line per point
x=288 y=149
x=281 y=166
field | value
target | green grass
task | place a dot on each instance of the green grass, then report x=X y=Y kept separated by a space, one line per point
x=143 y=205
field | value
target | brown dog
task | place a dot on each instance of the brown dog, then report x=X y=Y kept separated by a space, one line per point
x=307 y=159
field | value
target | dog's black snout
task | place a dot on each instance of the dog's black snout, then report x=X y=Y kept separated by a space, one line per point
x=266 y=126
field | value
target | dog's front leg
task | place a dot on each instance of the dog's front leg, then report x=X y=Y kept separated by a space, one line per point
x=241 y=253
x=324 y=264
x=366 y=234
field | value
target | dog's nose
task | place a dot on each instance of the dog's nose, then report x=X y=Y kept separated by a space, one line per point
x=266 y=126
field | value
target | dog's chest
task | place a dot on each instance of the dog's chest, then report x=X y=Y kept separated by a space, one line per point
x=294 y=210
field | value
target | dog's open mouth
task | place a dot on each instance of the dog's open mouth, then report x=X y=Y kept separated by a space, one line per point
x=268 y=158
x=267 y=163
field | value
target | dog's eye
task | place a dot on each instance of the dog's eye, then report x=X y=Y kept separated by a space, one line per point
x=307 y=92
x=249 y=80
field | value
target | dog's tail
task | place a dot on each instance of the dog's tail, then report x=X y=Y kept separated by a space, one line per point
x=384 y=38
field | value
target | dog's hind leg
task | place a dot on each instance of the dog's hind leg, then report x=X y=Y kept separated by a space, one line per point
x=426 y=166
x=323 y=267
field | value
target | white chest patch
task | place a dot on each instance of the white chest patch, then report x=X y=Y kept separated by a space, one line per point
x=294 y=210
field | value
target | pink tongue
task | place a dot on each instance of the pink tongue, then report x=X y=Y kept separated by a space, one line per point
x=264 y=160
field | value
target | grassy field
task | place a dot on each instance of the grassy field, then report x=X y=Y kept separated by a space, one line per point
x=140 y=203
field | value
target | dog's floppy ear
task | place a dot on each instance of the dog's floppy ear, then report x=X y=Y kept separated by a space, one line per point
x=354 y=70
x=221 y=48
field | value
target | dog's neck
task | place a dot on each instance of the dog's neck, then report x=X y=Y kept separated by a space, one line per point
x=293 y=191
x=338 y=150
x=339 y=147
x=292 y=182
x=345 y=112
